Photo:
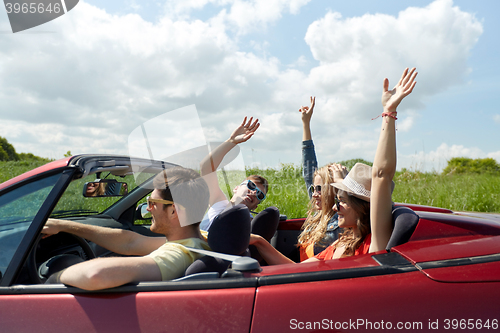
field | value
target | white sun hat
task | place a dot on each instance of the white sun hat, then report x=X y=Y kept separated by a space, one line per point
x=358 y=182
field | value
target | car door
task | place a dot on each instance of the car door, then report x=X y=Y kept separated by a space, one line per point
x=206 y=305
x=372 y=292
x=219 y=305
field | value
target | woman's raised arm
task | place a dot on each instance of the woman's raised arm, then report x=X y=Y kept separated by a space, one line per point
x=384 y=165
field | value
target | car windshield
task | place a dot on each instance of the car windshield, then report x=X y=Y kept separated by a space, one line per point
x=17 y=210
x=74 y=203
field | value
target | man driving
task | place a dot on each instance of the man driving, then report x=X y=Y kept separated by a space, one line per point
x=177 y=204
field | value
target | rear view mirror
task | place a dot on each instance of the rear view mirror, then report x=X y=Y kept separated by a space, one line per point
x=105 y=188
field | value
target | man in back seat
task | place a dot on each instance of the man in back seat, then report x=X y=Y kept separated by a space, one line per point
x=251 y=192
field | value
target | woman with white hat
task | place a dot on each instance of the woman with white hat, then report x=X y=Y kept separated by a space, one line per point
x=364 y=203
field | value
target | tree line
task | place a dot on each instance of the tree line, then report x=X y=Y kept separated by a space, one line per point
x=8 y=152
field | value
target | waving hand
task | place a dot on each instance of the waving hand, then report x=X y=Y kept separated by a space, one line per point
x=245 y=131
x=392 y=98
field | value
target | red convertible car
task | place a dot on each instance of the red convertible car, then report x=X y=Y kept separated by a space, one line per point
x=444 y=276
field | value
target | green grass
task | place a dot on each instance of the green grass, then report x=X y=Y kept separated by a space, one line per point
x=10 y=169
x=287 y=190
x=463 y=192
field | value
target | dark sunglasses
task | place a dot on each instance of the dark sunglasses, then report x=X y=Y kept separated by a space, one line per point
x=252 y=187
x=337 y=203
x=316 y=188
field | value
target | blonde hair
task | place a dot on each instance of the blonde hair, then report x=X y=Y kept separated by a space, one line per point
x=98 y=191
x=314 y=227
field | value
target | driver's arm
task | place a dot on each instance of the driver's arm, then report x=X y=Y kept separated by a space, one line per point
x=117 y=240
x=102 y=273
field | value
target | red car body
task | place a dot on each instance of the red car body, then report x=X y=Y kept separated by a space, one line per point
x=445 y=278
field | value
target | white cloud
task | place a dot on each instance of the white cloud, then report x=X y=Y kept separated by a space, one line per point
x=240 y=16
x=496 y=118
x=438 y=159
x=355 y=54
x=253 y=15
x=100 y=75
x=495 y=155
x=54 y=140
x=405 y=124
x=113 y=72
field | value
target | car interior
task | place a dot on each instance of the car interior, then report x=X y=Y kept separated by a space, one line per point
x=125 y=209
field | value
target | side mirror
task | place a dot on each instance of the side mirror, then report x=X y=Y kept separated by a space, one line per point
x=105 y=188
x=141 y=212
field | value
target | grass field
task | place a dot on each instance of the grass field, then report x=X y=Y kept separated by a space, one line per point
x=465 y=192
x=10 y=169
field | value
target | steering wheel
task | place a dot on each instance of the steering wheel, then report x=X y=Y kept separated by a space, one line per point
x=58 y=262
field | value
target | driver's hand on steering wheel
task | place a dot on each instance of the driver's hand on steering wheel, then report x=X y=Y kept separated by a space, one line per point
x=51 y=227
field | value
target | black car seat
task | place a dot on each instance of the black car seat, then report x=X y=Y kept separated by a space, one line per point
x=264 y=224
x=229 y=234
x=405 y=221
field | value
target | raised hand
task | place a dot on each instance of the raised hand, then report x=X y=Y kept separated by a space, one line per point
x=338 y=171
x=307 y=111
x=245 y=131
x=392 y=98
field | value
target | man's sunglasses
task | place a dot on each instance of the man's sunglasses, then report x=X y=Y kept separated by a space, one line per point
x=151 y=201
x=252 y=187
x=316 y=188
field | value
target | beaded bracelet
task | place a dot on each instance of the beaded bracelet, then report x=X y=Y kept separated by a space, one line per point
x=388 y=114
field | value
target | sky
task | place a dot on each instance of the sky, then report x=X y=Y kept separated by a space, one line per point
x=86 y=81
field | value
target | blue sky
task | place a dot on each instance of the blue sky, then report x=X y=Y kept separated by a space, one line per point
x=85 y=81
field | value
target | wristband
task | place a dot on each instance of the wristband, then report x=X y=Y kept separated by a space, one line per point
x=388 y=114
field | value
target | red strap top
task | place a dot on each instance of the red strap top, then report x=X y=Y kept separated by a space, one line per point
x=362 y=249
